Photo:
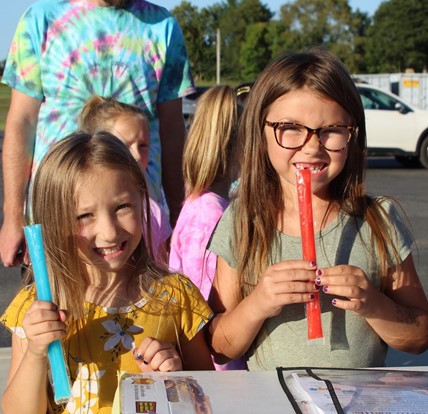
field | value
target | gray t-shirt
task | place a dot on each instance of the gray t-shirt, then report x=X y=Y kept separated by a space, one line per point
x=349 y=341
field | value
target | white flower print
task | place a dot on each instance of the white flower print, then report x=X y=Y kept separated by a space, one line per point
x=84 y=406
x=120 y=334
x=84 y=385
x=19 y=331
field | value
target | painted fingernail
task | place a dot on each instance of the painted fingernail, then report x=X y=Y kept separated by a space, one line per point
x=334 y=302
x=325 y=288
x=312 y=296
x=317 y=288
x=318 y=281
x=145 y=362
x=313 y=264
x=140 y=357
x=318 y=272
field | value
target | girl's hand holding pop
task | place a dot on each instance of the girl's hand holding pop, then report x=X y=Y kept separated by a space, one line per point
x=352 y=283
x=155 y=355
x=43 y=324
x=285 y=283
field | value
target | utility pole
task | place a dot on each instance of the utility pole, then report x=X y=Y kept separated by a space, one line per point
x=218 y=54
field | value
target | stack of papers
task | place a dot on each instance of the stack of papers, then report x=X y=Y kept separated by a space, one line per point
x=331 y=391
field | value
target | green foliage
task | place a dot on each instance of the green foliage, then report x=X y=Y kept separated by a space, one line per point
x=324 y=22
x=250 y=38
x=397 y=39
x=255 y=53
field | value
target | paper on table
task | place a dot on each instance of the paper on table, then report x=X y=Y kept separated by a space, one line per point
x=60 y=377
x=304 y=194
x=379 y=391
x=160 y=393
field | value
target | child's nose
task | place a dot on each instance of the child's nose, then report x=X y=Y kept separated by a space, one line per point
x=108 y=229
x=312 y=143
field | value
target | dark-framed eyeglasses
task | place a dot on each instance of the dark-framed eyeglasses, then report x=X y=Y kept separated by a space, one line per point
x=290 y=135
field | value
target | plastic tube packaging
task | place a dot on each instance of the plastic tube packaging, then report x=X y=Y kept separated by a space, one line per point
x=59 y=374
x=304 y=194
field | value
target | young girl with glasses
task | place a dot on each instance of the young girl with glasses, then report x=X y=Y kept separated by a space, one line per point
x=114 y=309
x=304 y=112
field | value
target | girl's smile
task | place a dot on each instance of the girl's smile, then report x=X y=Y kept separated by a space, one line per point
x=109 y=216
x=109 y=253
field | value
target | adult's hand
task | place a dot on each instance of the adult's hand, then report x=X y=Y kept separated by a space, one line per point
x=17 y=158
x=13 y=251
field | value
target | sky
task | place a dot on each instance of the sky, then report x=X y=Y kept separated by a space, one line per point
x=10 y=12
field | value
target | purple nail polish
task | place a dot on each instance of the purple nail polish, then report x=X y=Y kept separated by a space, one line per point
x=312 y=296
x=318 y=272
x=318 y=281
x=313 y=264
x=325 y=288
x=334 y=302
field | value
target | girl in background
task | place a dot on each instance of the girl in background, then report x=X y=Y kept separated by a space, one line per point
x=114 y=309
x=131 y=125
x=304 y=112
x=209 y=169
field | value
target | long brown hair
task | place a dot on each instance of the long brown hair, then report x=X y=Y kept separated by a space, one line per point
x=260 y=198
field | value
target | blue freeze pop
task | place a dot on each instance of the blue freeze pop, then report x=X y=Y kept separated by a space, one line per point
x=60 y=378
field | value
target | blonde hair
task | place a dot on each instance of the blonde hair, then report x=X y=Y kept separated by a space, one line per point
x=101 y=113
x=54 y=207
x=211 y=140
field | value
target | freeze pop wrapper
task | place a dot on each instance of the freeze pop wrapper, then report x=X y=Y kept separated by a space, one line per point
x=304 y=194
x=60 y=378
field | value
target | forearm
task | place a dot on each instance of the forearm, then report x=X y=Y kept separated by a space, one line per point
x=26 y=391
x=18 y=148
x=172 y=134
x=231 y=333
x=172 y=178
x=403 y=328
x=16 y=173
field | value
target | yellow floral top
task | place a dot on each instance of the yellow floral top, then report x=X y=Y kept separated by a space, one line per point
x=100 y=349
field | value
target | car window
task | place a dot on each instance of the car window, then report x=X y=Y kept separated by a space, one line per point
x=374 y=99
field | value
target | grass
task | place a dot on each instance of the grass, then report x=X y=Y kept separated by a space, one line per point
x=4 y=104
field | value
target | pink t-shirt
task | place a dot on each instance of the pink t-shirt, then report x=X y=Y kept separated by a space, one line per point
x=189 y=254
x=161 y=227
x=190 y=237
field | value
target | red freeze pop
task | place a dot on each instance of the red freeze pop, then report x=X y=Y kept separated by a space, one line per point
x=304 y=194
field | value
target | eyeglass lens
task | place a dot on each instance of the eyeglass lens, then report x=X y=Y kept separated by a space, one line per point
x=333 y=138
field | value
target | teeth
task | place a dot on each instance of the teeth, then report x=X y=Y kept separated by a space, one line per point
x=110 y=250
x=313 y=169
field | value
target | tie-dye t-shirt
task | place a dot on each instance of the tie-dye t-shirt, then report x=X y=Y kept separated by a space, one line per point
x=64 y=51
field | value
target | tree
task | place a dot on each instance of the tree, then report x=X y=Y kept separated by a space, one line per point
x=330 y=23
x=255 y=52
x=397 y=39
x=192 y=25
x=234 y=20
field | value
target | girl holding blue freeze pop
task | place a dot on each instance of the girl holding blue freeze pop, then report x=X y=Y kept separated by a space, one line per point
x=114 y=308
